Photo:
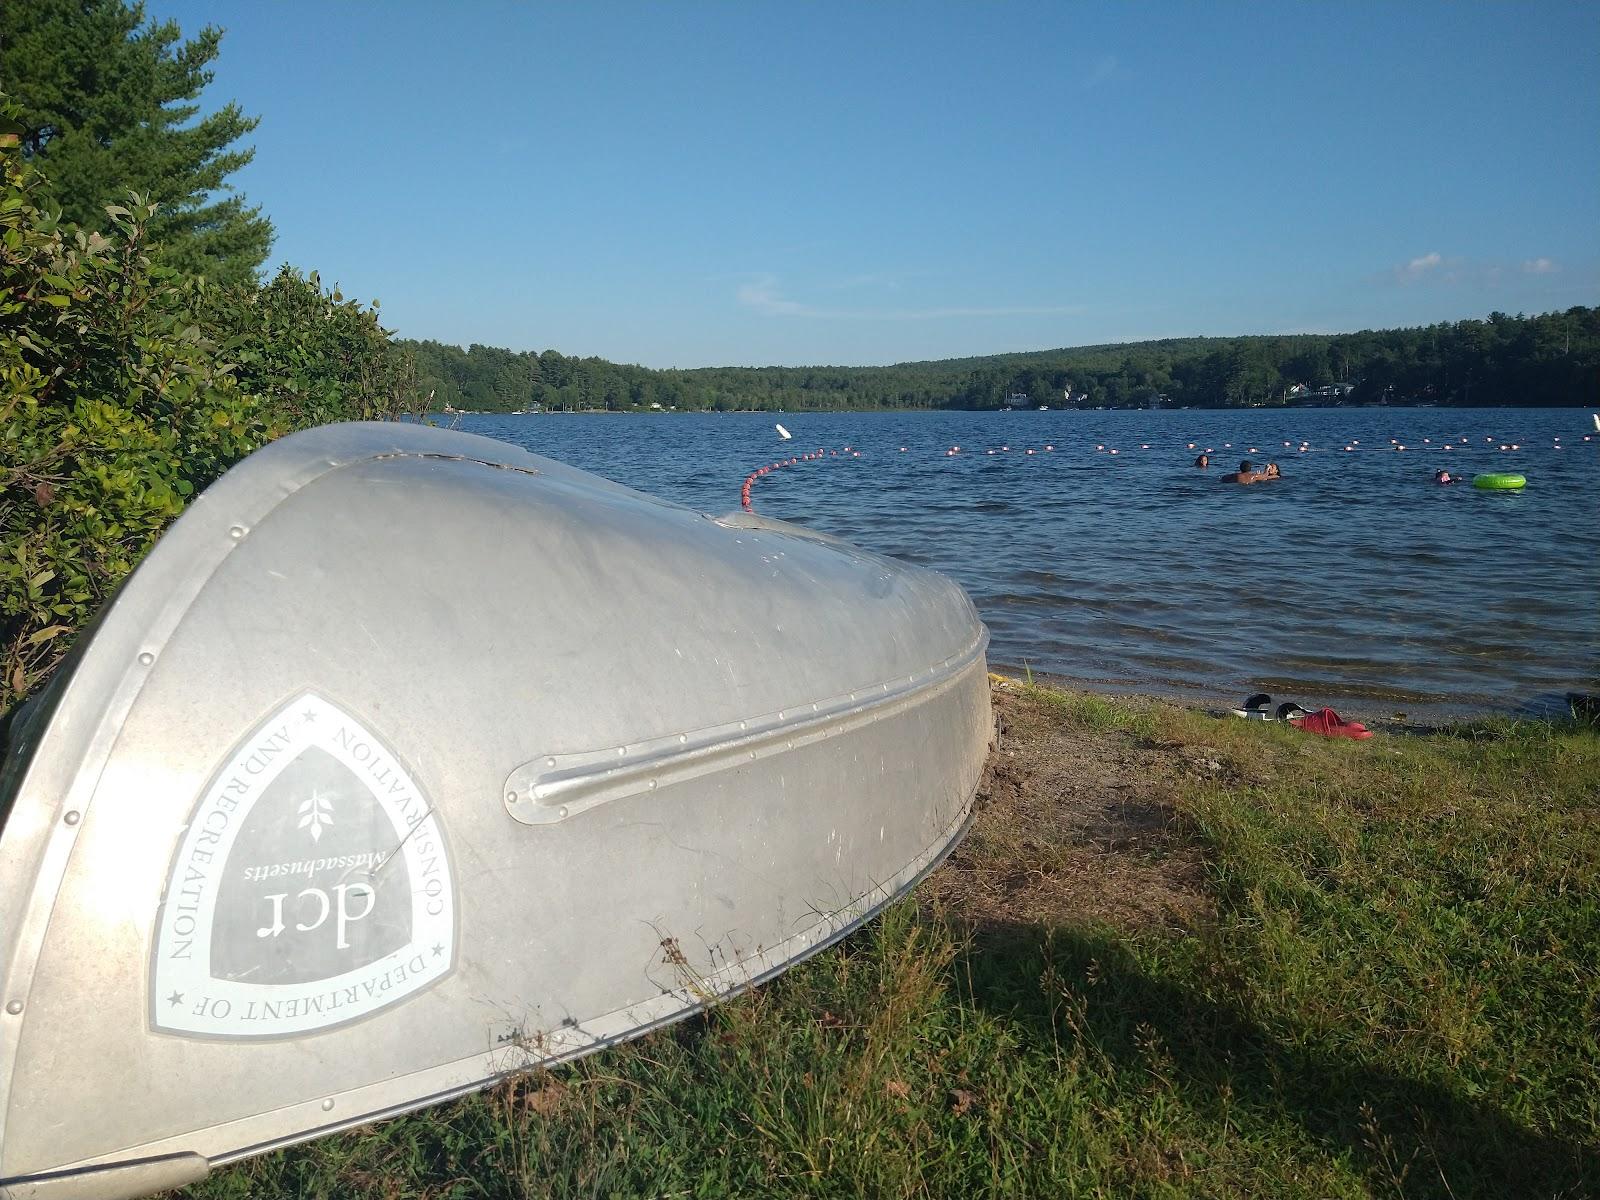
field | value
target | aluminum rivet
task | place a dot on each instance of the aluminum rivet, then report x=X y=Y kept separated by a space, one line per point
x=71 y=818
x=14 y=1007
x=236 y=532
x=327 y=1106
x=562 y=811
x=511 y=797
x=147 y=658
x=652 y=785
x=549 y=762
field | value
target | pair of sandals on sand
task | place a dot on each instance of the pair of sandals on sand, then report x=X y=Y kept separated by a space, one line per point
x=1323 y=720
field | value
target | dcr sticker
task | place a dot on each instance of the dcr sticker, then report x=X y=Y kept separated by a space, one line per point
x=312 y=886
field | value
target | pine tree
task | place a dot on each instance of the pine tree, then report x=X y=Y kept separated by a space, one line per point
x=109 y=106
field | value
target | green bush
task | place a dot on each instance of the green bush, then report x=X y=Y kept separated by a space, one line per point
x=312 y=356
x=126 y=388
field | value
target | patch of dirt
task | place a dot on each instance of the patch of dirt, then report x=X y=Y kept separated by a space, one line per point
x=547 y=1099
x=1075 y=825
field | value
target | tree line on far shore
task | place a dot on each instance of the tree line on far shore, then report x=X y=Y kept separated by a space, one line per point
x=1548 y=359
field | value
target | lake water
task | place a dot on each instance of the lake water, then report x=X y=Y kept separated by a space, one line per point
x=1354 y=580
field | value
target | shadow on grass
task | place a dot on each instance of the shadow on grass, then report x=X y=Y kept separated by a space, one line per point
x=1405 y=1135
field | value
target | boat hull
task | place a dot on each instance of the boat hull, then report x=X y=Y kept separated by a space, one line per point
x=408 y=760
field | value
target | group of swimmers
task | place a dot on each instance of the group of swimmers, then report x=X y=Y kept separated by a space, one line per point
x=1246 y=473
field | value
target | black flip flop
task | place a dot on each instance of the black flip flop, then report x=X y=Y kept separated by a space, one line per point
x=1256 y=708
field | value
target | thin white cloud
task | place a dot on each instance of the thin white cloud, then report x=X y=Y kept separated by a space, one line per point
x=853 y=282
x=1419 y=268
x=764 y=296
x=1435 y=269
x=1104 y=68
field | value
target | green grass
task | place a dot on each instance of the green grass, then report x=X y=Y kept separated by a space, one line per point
x=1397 y=993
x=1101 y=714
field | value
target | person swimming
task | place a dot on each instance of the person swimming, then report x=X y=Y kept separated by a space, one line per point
x=1443 y=477
x=1245 y=474
x=1203 y=460
x=1271 y=472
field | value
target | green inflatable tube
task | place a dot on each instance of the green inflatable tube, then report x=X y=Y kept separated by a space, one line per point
x=1493 y=482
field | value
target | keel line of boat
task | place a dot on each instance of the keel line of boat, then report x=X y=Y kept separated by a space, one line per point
x=554 y=787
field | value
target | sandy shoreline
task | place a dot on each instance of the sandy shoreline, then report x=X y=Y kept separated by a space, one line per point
x=1375 y=712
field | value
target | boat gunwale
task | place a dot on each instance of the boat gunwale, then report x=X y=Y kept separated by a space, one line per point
x=566 y=1043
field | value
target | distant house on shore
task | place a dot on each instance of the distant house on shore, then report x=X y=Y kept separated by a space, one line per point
x=1019 y=400
x=1302 y=393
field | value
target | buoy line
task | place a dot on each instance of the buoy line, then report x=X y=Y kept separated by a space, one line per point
x=821 y=452
x=1352 y=446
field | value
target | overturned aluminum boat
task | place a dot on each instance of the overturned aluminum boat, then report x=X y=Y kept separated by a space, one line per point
x=409 y=759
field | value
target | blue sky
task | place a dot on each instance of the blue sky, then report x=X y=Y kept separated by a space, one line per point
x=750 y=183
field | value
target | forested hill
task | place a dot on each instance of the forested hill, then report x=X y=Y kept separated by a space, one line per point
x=1549 y=359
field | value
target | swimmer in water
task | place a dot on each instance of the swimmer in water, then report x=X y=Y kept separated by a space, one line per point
x=1245 y=474
x=1203 y=460
x=1443 y=477
x=1272 y=472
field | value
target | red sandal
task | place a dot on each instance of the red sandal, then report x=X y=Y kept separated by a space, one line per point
x=1330 y=724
